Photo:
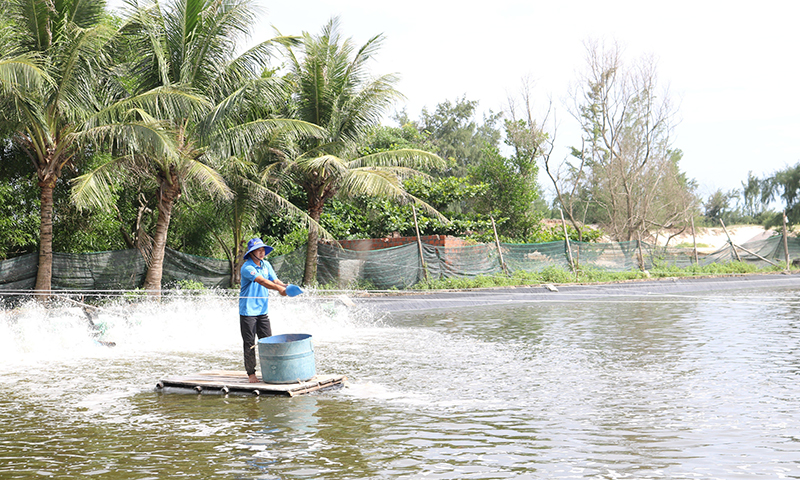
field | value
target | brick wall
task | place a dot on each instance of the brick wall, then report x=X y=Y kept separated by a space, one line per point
x=379 y=243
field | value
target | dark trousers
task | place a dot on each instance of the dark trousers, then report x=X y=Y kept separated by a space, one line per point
x=252 y=326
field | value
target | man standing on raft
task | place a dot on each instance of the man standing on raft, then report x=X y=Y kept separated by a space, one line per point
x=258 y=278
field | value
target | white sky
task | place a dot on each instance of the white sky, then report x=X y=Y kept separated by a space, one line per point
x=732 y=67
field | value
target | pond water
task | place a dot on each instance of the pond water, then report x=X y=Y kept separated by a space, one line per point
x=684 y=386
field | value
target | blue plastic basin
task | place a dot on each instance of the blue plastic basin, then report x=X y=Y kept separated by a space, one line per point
x=286 y=358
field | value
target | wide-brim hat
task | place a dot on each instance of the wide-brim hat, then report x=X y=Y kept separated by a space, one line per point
x=255 y=244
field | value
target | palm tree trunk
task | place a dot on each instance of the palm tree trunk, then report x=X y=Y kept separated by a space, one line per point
x=44 y=274
x=238 y=247
x=169 y=194
x=237 y=267
x=310 y=272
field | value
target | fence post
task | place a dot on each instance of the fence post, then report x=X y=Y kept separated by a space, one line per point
x=694 y=242
x=639 y=250
x=733 y=247
x=786 y=242
x=419 y=244
x=499 y=250
x=566 y=239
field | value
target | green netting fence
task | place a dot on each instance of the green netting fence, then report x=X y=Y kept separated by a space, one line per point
x=116 y=270
x=397 y=267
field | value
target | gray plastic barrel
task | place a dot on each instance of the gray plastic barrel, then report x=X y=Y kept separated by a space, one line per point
x=286 y=358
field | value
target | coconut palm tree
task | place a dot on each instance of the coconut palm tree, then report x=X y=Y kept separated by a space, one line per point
x=333 y=90
x=190 y=45
x=72 y=105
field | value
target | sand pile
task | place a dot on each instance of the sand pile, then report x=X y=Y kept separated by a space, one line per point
x=713 y=238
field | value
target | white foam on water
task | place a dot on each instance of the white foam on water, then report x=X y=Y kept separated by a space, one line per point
x=181 y=334
x=31 y=333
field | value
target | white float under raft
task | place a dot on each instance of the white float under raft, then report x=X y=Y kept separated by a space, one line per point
x=225 y=381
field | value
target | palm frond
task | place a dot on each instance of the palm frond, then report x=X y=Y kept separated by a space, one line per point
x=320 y=150
x=211 y=30
x=246 y=136
x=372 y=182
x=362 y=109
x=253 y=61
x=244 y=102
x=209 y=179
x=78 y=62
x=160 y=102
x=333 y=87
x=235 y=168
x=404 y=172
x=21 y=74
x=323 y=166
x=145 y=30
x=406 y=157
x=357 y=66
x=275 y=201
x=33 y=122
x=33 y=18
x=151 y=139
x=275 y=173
x=85 y=13
x=93 y=189
x=382 y=183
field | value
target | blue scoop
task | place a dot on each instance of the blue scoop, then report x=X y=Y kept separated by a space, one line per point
x=293 y=290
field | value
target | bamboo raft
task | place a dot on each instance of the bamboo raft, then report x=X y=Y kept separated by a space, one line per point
x=223 y=381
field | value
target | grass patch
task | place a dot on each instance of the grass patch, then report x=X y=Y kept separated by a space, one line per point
x=690 y=245
x=555 y=274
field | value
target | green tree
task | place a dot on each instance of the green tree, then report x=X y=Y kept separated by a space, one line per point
x=191 y=45
x=512 y=191
x=783 y=185
x=452 y=132
x=58 y=117
x=450 y=194
x=752 y=203
x=382 y=138
x=718 y=205
x=333 y=91
x=19 y=201
x=508 y=187
x=257 y=199
x=375 y=217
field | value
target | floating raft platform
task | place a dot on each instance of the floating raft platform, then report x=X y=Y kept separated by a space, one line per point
x=223 y=381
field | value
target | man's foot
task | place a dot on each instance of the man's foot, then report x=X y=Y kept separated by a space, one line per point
x=253 y=378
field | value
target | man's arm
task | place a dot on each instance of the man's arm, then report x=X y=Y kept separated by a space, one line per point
x=276 y=284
